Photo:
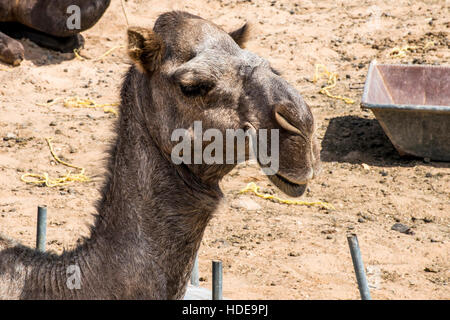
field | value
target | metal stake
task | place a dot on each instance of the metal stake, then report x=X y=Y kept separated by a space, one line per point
x=359 y=267
x=41 y=228
x=217 y=280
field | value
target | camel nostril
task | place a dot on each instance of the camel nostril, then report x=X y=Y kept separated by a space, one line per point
x=286 y=124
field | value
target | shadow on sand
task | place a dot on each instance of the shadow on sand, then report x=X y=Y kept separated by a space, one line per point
x=357 y=140
x=40 y=48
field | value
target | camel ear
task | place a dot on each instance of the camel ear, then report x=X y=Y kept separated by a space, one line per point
x=145 y=48
x=240 y=36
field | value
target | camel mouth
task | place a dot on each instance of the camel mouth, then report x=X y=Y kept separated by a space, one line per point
x=290 y=188
x=287 y=186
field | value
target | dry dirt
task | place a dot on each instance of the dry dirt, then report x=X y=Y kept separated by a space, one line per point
x=278 y=251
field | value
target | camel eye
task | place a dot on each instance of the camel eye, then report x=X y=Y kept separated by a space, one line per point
x=198 y=89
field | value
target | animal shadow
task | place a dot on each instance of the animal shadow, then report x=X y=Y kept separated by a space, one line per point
x=40 y=48
x=357 y=140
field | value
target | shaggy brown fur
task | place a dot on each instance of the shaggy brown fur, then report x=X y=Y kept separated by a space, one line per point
x=145 y=48
x=153 y=213
x=241 y=35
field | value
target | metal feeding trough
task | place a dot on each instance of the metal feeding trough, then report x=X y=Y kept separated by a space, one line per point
x=412 y=104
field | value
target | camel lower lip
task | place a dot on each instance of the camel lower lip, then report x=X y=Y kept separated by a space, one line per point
x=286 y=180
x=291 y=182
x=292 y=189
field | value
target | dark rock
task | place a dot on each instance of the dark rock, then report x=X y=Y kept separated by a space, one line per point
x=402 y=228
x=431 y=269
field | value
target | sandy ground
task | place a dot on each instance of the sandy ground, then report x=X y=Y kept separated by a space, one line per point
x=277 y=251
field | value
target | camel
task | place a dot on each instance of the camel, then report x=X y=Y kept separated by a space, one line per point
x=45 y=22
x=152 y=213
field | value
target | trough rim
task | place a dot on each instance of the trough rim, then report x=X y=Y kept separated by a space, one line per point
x=413 y=107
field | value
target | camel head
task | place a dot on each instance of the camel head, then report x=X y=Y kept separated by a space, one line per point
x=193 y=71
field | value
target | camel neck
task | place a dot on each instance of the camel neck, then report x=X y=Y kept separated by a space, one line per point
x=150 y=223
x=150 y=215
